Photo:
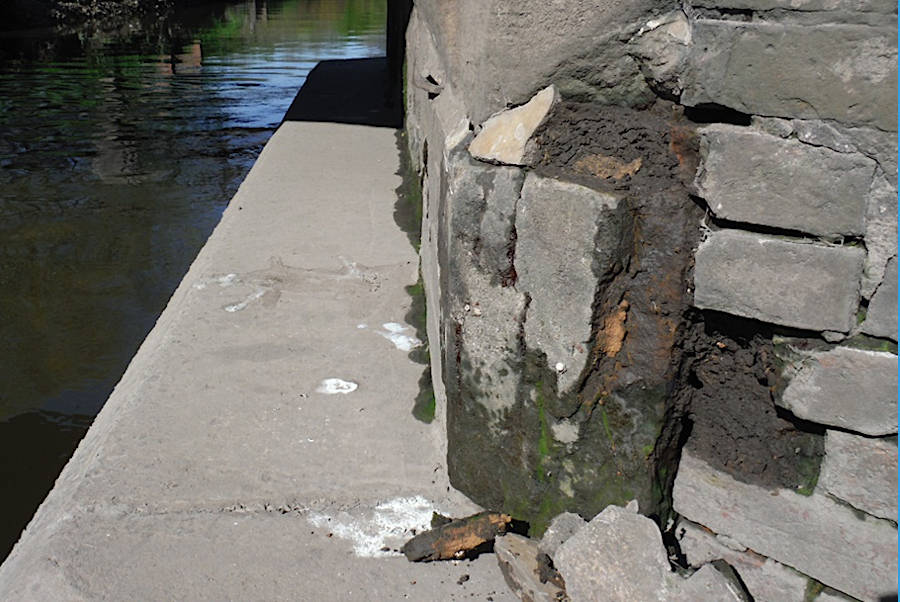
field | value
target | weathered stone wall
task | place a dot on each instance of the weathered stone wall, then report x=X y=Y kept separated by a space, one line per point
x=681 y=257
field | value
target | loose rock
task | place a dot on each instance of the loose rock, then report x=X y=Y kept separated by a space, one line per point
x=503 y=136
x=518 y=558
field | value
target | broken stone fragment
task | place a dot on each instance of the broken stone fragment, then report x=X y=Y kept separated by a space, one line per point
x=853 y=389
x=561 y=528
x=518 y=559
x=617 y=556
x=709 y=585
x=503 y=136
x=776 y=280
x=461 y=538
x=862 y=472
x=816 y=535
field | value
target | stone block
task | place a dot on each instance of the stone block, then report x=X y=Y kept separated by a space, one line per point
x=561 y=528
x=862 y=472
x=617 y=556
x=881 y=317
x=765 y=579
x=843 y=72
x=503 y=136
x=885 y=7
x=747 y=176
x=777 y=280
x=848 y=388
x=815 y=535
x=557 y=226
x=517 y=556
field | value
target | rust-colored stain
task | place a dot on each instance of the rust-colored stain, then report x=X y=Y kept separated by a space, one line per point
x=612 y=336
x=603 y=166
x=684 y=144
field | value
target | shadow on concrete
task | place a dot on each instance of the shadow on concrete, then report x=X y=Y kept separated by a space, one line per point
x=355 y=91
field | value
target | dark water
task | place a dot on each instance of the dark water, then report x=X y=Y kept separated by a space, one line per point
x=118 y=154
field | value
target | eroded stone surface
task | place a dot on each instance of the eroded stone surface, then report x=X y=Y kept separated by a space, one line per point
x=881 y=233
x=751 y=177
x=862 y=472
x=517 y=556
x=848 y=388
x=560 y=236
x=814 y=534
x=881 y=317
x=503 y=136
x=743 y=66
x=780 y=281
x=765 y=579
x=617 y=556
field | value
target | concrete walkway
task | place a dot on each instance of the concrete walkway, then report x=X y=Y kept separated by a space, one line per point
x=219 y=469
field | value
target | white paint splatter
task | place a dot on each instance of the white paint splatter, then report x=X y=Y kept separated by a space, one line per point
x=378 y=531
x=333 y=386
x=243 y=304
x=361 y=326
x=223 y=281
x=394 y=333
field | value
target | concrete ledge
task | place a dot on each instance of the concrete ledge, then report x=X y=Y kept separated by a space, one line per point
x=217 y=468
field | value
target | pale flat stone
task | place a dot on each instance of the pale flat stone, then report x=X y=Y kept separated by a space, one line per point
x=561 y=528
x=557 y=225
x=780 y=281
x=862 y=472
x=765 y=579
x=618 y=556
x=815 y=535
x=517 y=556
x=881 y=318
x=752 y=177
x=503 y=136
x=844 y=387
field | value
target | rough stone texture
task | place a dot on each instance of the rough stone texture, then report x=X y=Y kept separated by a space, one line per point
x=618 y=556
x=881 y=317
x=848 y=388
x=775 y=280
x=816 y=535
x=765 y=579
x=743 y=65
x=499 y=54
x=517 y=556
x=885 y=7
x=560 y=235
x=747 y=176
x=561 y=528
x=503 y=136
x=663 y=44
x=861 y=472
x=708 y=584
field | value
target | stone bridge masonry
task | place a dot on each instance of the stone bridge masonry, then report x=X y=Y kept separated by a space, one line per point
x=659 y=250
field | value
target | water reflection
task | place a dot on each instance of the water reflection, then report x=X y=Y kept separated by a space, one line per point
x=118 y=153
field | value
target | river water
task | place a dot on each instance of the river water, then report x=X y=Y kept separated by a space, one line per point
x=118 y=153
